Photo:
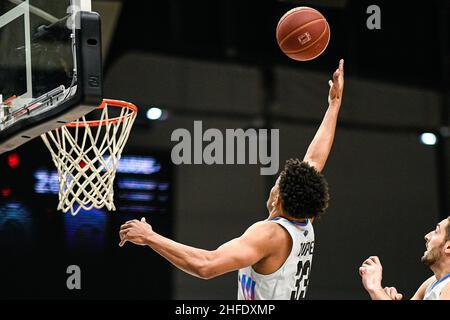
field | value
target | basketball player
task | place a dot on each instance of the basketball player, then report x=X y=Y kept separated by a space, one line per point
x=437 y=257
x=273 y=256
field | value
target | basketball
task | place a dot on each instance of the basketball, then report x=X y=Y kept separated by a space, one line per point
x=303 y=33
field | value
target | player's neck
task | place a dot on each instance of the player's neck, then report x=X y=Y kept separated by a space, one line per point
x=279 y=212
x=441 y=270
x=284 y=215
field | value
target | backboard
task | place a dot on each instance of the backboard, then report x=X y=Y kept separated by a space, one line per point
x=50 y=66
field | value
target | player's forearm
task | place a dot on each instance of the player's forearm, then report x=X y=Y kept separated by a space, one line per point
x=189 y=259
x=320 y=148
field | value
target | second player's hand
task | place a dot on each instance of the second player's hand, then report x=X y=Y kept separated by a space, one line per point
x=337 y=86
x=393 y=293
x=371 y=273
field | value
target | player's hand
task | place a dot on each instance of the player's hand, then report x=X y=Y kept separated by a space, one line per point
x=371 y=273
x=393 y=293
x=136 y=232
x=337 y=86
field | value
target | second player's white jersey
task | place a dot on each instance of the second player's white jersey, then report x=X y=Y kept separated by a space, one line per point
x=434 y=290
x=290 y=281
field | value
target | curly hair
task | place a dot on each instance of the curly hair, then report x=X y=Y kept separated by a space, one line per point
x=303 y=190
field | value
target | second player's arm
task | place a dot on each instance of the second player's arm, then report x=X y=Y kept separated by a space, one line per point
x=380 y=294
x=320 y=148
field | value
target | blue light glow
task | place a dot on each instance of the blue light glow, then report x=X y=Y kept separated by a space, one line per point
x=135 y=184
x=86 y=229
x=164 y=186
x=137 y=208
x=15 y=217
x=138 y=165
x=137 y=196
x=46 y=182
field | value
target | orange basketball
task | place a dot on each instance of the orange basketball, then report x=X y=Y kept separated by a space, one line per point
x=303 y=33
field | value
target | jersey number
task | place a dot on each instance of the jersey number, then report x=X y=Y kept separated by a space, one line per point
x=303 y=270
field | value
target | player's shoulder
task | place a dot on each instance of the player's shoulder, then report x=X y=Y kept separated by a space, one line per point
x=428 y=282
x=268 y=229
x=264 y=225
x=420 y=293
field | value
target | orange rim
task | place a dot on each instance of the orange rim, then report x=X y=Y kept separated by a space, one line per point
x=109 y=103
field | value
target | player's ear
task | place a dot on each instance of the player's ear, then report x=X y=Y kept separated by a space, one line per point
x=277 y=199
x=447 y=247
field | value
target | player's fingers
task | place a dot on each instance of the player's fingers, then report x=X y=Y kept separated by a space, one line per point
x=143 y=219
x=341 y=65
x=336 y=75
x=388 y=291
x=392 y=292
x=370 y=262
x=362 y=270
x=123 y=239
x=131 y=223
x=125 y=226
x=123 y=234
x=375 y=259
x=365 y=265
x=330 y=83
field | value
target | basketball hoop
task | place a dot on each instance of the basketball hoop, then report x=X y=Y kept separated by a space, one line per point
x=86 y=154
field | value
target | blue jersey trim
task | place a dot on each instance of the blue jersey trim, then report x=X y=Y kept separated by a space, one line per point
x=303 y=224
x=437 y=282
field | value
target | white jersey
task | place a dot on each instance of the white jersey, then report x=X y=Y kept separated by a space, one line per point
x=434 y=290
x=290 y=281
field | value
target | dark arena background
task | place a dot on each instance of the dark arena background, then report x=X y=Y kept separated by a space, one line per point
x=219 y=62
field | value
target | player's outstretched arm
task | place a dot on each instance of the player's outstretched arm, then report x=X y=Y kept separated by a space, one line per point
x=248 y=249
x=319 y=149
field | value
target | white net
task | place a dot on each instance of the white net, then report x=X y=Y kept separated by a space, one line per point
x=86 y=154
